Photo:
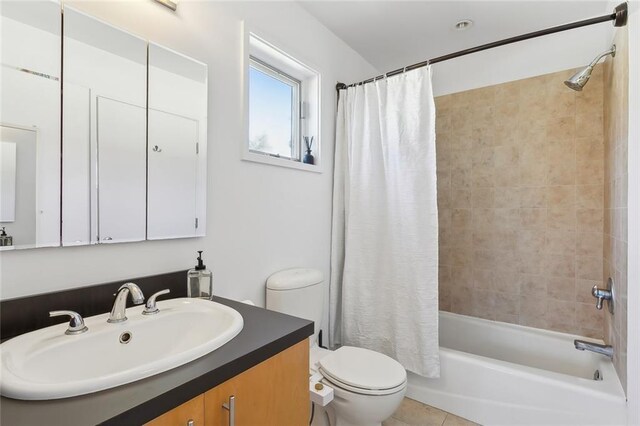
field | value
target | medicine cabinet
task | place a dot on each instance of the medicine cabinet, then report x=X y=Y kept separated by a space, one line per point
x=111 y=150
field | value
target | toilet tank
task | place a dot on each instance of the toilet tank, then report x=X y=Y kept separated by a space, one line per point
x=298 y=292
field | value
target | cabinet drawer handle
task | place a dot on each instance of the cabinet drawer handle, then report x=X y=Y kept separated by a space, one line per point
x=190 y=422
x=231 y=407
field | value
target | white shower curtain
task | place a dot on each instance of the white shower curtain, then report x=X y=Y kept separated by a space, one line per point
x=384 y=260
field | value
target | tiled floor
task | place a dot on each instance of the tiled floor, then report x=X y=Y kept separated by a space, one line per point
x=414 y=413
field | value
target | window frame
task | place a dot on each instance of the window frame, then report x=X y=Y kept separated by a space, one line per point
x=281 y=56
x=296 y=116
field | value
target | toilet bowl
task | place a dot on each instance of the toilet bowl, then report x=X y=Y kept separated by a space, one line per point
x=368 y=386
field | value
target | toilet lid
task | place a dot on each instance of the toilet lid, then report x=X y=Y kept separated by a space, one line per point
x=363 y=369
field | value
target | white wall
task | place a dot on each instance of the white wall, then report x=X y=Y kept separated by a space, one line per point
x=530 y=58
x=261 y=218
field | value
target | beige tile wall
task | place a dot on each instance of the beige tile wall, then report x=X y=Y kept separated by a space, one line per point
x=616 y=114
x=520 y=196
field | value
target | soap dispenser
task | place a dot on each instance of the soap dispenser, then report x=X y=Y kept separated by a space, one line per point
x=199 y=282
x=5 y=240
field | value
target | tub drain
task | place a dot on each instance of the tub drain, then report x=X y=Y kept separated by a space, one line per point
x=125 y=337
x=597 y=375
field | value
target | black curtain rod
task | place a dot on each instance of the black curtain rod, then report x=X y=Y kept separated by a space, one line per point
x=619 y=18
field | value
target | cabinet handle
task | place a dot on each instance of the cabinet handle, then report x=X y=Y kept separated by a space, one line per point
x=190 y=422
x=231 y=407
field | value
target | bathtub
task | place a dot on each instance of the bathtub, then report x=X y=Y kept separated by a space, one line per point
x=496 y=373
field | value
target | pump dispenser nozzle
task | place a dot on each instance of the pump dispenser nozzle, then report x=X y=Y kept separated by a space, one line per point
x=200 y=265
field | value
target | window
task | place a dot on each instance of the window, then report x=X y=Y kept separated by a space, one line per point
x=274 y=112
x=282 y=108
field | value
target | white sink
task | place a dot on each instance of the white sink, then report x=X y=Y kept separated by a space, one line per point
x=48 y=364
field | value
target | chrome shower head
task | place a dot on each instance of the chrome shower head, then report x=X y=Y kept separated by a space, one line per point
x=579 y=79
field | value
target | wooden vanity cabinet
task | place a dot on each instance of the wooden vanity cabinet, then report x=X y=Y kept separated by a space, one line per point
x=191 y=413
x=274 y=392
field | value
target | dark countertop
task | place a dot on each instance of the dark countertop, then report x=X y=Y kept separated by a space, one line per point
x=265 y=333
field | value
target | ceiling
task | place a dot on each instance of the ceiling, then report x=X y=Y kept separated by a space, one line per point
x=391 y=34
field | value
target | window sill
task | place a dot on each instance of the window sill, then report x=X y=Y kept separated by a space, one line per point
x=281 y=162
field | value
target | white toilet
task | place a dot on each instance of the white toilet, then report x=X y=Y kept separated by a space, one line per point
x=368 y=386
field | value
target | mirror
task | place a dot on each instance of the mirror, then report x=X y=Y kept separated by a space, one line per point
x=134 y=128
x=177 y=149
x=18 y=152
x=30 y=123
x=8 y=180
x=104 y=139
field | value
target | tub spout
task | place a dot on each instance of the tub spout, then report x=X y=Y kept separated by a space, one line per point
x=583 y=345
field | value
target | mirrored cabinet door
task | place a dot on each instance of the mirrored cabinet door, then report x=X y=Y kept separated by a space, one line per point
x=104 y=125
x=30 y=52
x=177 y=145
x=121 y=138
x=18 y=190
x=125 y=126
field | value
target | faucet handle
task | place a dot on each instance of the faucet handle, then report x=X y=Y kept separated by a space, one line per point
x=76 y=323
x=150 y=307
x=601 y=295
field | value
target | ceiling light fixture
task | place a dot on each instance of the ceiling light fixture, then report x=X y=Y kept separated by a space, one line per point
x=171 y=4
x=463 y=24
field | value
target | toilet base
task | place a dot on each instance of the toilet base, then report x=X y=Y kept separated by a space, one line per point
x=351 y=409
x=321 y=416
x=325 y=416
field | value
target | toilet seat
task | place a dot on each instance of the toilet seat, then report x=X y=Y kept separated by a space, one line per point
x=332 y=381
x=363 y=371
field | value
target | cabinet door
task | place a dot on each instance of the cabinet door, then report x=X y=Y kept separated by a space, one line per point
x=76 y=160
x=30 y=70
x=173 y=166
x=191 y=413
x=104 y=132
x=274 y=392
x=177 y=105
x=122 y=180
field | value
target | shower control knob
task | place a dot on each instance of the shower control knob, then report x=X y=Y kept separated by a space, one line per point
x=601 y=295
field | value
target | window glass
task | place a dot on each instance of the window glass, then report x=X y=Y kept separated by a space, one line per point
x=272 y=112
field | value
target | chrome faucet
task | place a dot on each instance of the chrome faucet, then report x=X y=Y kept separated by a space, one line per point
x=583 y=345
x=150 y=307
x=602 y=294
x=118 y=313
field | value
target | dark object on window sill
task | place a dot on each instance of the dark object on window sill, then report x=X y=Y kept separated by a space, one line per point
x=308 y=158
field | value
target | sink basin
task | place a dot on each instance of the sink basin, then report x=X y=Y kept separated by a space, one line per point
x=48 y=364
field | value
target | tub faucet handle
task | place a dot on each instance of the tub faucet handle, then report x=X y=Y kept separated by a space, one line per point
x=601 y=295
